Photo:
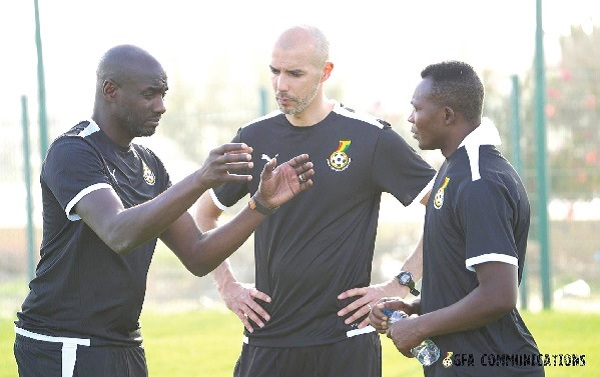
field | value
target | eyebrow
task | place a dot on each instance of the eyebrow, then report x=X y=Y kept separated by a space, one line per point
x=295 y=70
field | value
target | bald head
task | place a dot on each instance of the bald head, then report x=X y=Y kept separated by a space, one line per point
x=124 y=63
x=303 y=35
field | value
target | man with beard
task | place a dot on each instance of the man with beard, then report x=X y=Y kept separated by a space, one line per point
x=307 y=314
x=106 y=201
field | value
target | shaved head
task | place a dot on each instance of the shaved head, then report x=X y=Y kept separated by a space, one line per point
x=123 y=63
x=130 y=88
x=303 y=35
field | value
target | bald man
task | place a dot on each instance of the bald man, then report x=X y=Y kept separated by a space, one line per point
x=106 y=201
x=307 y=313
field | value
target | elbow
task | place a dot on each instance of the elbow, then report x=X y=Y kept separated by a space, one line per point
x=120 y=243
x=198 y=268
x=121 y=248
x=503 y=304
x=504 y=307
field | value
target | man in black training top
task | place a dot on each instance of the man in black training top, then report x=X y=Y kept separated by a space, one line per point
x=106 y=201
x=314 y=257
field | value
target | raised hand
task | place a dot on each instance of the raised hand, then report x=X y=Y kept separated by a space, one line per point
x=222 y=161
x=280 y=184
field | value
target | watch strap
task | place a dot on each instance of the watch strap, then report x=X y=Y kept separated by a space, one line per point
x=257 y=205
x=410 y=284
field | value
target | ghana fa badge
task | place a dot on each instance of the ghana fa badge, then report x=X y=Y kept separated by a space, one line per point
x=148 y=174
x=339 y=160
x=438 y=199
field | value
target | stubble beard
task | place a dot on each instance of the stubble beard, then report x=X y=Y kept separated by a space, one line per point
x=302 y=102
x=134 y=124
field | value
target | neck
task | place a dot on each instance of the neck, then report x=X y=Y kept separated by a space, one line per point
x=107 y=125
x=313 y=114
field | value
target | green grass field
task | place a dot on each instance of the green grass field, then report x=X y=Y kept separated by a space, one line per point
x=207 y=343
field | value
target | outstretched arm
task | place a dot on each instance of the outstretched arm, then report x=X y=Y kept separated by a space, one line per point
x=125 y=229
x=203 y=252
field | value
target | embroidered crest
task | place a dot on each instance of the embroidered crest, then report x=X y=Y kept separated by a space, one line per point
x=339 y=160
x=148 y=174
x=438 y=199
x=447 y=362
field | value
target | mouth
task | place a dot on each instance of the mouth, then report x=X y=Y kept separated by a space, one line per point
x=153 y=122
x=284 y=100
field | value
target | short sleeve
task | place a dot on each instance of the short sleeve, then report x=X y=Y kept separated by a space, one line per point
x=228 y=194
x=398 y=169
x=486 y=216
x=71 y=170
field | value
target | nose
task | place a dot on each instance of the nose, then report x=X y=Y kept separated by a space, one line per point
x=280 y=83
x=411 y=117
x=159 y=105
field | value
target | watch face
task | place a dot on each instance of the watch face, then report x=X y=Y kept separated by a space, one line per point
x=405 y=278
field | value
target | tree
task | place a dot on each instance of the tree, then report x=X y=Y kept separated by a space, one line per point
x=573 y=115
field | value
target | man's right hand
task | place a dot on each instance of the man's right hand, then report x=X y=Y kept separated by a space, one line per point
x=241 y=298
x=379 y=320
x=222 y=161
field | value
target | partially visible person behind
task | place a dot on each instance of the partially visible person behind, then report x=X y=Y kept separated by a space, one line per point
x=307 y=314
x=106 y=201
x=475 y=237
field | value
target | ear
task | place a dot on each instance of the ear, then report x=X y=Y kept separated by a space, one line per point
x=326 y=71
x=449 y=115
x=109 y=90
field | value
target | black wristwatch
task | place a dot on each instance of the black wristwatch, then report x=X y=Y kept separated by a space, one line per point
x=405 y=278
x=255 y=204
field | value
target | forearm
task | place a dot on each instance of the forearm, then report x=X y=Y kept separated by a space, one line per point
x=475 y=310
x=495 y=296
x=216 y=245
x=206 y=215
x=125 y=229
x=414 y=262
x=223 y=275
x=133 y=229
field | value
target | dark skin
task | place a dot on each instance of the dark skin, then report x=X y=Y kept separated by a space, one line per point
x=130 y=105
x=437 y=126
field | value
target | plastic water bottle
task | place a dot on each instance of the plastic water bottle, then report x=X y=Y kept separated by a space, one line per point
x=427 y=352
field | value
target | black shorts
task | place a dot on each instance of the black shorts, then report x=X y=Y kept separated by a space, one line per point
x=40 y=358
x=358 y=356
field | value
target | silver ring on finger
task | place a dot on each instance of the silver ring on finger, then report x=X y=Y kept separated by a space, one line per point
x=301 y=179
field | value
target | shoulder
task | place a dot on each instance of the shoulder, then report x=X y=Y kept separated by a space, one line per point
x=80 y=134
x=77 y=138
x=265 y=120
x=360 y=117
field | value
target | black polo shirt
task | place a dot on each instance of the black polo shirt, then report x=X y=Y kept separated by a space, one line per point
x=82 y=288
x=321 y=243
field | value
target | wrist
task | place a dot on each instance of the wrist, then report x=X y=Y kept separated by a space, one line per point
x=256 y=203
x=400 y=290
x=405 y=279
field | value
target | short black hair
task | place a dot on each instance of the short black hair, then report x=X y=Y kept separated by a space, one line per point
x=456 y=84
